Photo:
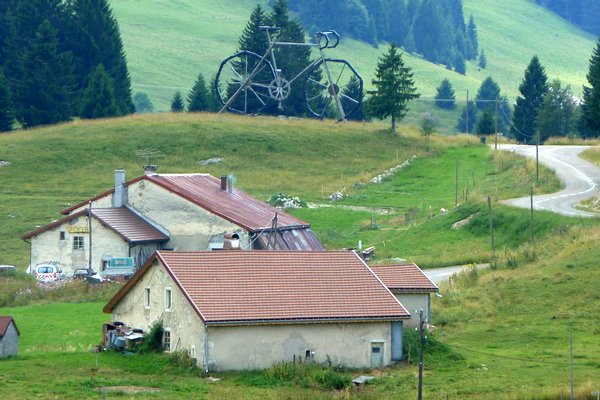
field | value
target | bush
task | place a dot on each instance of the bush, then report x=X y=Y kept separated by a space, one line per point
x=152 y=342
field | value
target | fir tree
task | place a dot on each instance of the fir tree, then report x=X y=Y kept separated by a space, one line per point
x=98 y=100
x=253 y=38
x=533 y=87
x=590 y=109
x=97 y=40
x=472 y=40
x=7 y=117
x=198 y=99
x=142 y=103
x=460 y=65
x=482 y=60
x=394 y=88
x=556 y=116
x=177 y=103
x=353 y=91
x=486 y=124
x=42 y=92
x=444 y=96
x=488 y=94
x=464 y=124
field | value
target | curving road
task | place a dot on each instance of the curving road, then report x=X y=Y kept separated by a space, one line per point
x=580 y=178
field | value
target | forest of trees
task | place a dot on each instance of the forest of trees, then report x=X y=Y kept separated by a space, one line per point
x=61 y=59
x=583 y=13
x=436 y=29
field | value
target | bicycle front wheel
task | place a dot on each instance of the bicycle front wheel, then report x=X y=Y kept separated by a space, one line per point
x=242 y=83
x=320 y=93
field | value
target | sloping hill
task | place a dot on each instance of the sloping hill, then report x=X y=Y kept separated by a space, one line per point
x=169 y=42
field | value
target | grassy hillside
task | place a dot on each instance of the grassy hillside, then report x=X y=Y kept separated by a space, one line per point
x=169 y=42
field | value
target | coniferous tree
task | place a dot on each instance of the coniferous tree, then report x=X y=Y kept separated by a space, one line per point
x=353 y=91
x=42 y=92
x=487 y=94
x=486 y=124
x=460 y=65
x=291 y=60
x=253 y=38
x=97 y=40
x=177 y=103
x=199 y=99
x=590 y=109
x=556 y=116
x=470 y=111
x=394 y=88
x=7 y=117
x=472 y=40
x=482 y=60
x=444 y=96
x=533 y=87
x=98 y=100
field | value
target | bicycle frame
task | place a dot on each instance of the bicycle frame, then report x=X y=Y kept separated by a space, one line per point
x=320 y=36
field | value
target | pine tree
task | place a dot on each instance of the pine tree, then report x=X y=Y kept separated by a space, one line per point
x=198 y=99
x=353 y=91
x=488 y=94
x=7 y=117
x=42 y=92
x=460 y=65
x=556 y=116
x=590 y=109
x=253 y=38
x=177 y=103
x=486 y=124
x=533 y=87
x=394 y=88
x=97 y=40
x=469 y=110
x=98 y=100
x=472 y=40
x=482 y=60
x=444 y=96
x=291 y=60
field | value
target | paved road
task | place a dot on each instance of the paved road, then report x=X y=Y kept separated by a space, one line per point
x=581 y=179
x=439 y=275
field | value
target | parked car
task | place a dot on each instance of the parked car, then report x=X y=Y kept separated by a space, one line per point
x=48 y=273
x=83 y=273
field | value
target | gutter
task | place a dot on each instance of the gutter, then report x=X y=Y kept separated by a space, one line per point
x=206 y=348
x=305 y=320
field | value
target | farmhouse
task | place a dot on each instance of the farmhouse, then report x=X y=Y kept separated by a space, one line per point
x=233 y=310
x=411 y=287
x=180 y=212
x=9 y=337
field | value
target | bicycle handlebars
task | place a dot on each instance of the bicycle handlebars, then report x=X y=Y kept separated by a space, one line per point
x=325 y=35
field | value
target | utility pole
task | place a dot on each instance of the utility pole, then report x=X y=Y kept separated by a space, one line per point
x=456 y=185
x=467 y=113
x=491 y=219
x=496 y=136
x=90 y=237
x=571 y=358
x=537 y=157
x=531 y=218
x=421 y=342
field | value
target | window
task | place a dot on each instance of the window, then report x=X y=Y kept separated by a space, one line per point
x=167 y=340
x=77 y=242
x=147 y=298
x=62 y=235
x=193 y=352
x=168 y=299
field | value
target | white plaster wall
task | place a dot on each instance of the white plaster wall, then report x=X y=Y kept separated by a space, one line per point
x=412 y=302
x=47 y=246
x=191 y=227
x=102 y=202
x=187 y=330
x=9 y=344
x=259 y=347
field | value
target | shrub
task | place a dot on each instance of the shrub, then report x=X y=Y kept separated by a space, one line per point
x=152 y=342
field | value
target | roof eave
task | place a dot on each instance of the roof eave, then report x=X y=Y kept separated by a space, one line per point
x=304 y=320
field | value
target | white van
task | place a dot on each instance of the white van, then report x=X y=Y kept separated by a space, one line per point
x=48 y=273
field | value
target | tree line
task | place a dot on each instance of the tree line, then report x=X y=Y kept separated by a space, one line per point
x=436 y=29
x=59 y=60
x=583 y=13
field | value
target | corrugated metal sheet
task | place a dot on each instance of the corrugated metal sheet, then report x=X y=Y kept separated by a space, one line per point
x=301 y=239
x=241 y=287
x=404 y=278
x=128 y=225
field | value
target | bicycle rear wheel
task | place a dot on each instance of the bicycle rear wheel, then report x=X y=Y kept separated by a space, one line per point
x=242 y=89
x=320 y=93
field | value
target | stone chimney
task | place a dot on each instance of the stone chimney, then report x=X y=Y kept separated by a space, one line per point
x=120 y=195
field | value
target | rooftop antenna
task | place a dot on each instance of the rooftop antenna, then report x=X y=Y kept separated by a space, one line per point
x=148 y=154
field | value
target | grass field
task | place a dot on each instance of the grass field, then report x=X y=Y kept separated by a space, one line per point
x=169 y=42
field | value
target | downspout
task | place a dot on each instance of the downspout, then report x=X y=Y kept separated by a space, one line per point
x=30 y=255
x=206 y=348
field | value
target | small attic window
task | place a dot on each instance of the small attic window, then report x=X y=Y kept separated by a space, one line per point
x=62 y=235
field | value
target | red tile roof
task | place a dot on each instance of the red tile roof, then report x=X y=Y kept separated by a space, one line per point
x=5 y=323
x=407 y=278
x=128 y=225
x=205 y=191
x=250 y=287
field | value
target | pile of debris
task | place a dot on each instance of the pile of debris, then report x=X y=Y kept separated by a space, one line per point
x=117 y=335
